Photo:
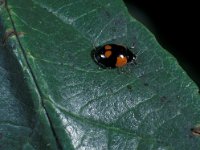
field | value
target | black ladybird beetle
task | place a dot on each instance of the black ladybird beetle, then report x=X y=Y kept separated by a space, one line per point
x=113 y=55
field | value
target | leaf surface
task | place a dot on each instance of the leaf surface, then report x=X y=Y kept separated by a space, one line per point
x=151 y=105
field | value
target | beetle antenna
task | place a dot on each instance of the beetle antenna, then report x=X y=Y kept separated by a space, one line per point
x=133 y=47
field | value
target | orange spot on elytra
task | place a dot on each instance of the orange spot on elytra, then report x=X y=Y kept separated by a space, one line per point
x=108 y=53
x=108 y=47
x=121 y=61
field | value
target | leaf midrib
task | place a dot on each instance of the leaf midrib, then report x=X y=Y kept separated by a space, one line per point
x=32 y=75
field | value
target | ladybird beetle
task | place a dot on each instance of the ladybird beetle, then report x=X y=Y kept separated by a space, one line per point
x=113 y=56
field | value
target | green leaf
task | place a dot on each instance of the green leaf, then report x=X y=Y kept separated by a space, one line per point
x=20 y=126
x=151 y=105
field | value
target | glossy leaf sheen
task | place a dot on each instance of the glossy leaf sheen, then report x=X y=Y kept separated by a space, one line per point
x=151 y=105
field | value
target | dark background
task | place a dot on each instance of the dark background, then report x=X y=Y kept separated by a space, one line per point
x=175 y=25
